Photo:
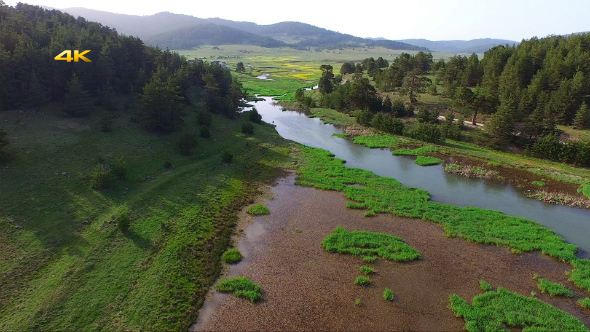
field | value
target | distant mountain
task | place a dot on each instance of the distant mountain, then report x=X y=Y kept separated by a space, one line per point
x=209 y=34
x=460 y=46
x=176 y=29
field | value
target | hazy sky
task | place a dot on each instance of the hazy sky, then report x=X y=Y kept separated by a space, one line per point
x=393 y=19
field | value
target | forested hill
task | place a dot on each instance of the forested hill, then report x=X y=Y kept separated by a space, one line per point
x=31 y=37
x=173 y=29
x=209 y=34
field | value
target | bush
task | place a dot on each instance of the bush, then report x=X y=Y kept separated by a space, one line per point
x=427 y=132
x=227 y=157
x=388 y=295
x=427 y=116
x=362 y=281
x=248 y=128
x=122 y=218
x=204 y=132
x=187 y=143
x=101 y=177
x=231 y=256
x=119 y=168
x=364 y=118
x=399 y=109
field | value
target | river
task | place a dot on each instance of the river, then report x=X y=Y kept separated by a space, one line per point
x=572 y=224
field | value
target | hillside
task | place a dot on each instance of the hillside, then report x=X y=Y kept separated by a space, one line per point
x=209 y=34
x=173 y=29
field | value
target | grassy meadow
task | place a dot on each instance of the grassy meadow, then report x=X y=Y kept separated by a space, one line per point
x=64 y=263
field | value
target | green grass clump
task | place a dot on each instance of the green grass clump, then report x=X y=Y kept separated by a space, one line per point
x=584 y=303
x=415 y=152
x=427 y=161
x=369 y=259
x=362 y=281
x=241 y=287
x=553 y=288
x=370 y=214
x=232 y=256
x=354 y=205
x=340 y=135
x=377 y=141
x=360 y=243
x=258 y=209
x=358 y=302
x=367 y=270
x=539 y=183
x=318 y=168
x=315 y=116
x=503 y=310
x=485 y=286
x=388 y=295
x=585 y=189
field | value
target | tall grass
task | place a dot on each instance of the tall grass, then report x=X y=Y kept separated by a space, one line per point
x=584 y=303
x=415 y=152
x=503 y=310
x=427 y=161
x=377 y=141
x=241 y=287
x=318 y=168
x=362 y=281
x=552 y=288
x=369 y=244
x=388 y=294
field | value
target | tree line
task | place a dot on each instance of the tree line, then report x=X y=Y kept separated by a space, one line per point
x=30 y=38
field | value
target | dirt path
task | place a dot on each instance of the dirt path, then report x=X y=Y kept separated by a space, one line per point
x=307 y=288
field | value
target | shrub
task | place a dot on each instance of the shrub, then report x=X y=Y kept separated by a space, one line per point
x=241 y=287
x=187 y=143
x=248 y=128
x=101 y=177
x=358 y=302
x=427 y=132
x=119 y=167
x=398 y=109
x=364 y=118
x=231 y=256
x=388 y=295
x=584 y=303
x=258 y=209
x=122 y=218
x=362 y=281
x=427 y=116
x=204 y=132
x=227 y=157
x=367 y=270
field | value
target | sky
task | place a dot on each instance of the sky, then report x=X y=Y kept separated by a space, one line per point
x=393 y=19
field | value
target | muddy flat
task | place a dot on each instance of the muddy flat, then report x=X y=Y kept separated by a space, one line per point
x=306 y=288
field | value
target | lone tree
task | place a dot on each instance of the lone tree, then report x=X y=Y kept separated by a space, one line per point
x=582 y=120
x=414 y=84
x=240 y=67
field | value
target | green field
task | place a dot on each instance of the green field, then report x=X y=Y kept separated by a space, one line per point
x=64 y=263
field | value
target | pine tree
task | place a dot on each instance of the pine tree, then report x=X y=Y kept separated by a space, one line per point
x=77 y=100
x=38 y=93
x=582 y=120
x=501 y=127
x=160 y=106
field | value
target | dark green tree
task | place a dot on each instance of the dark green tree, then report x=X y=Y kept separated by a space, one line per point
x=501 y=127
x=4 y=144
x=582 y=120
x=77 y=101
x=160 y=106
x=414 y=85
x=240 y=67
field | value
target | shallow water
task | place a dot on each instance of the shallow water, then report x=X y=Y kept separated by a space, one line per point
x=571 y=223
